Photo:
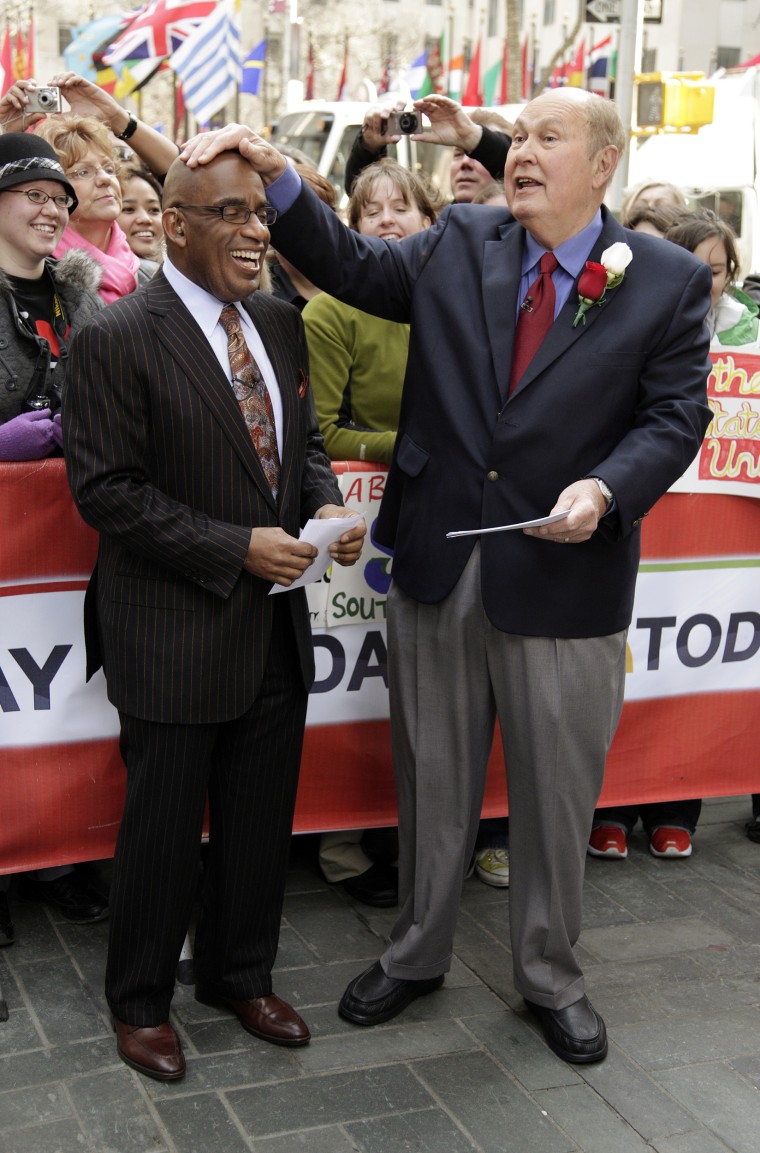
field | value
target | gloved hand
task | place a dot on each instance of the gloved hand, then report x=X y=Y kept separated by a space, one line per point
x=29 y=436
x=57 y=430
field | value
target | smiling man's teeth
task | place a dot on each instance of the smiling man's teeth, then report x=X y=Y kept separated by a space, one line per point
x=248 y=257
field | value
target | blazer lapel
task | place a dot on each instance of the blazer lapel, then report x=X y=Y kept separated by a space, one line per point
x=562 y=335
x=184 y=341
x=502 y=262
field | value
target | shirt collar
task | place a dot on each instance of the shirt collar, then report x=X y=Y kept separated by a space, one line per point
x=205 y=308
x=572 y=254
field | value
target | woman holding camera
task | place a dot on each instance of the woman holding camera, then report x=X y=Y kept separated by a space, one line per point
x=86 y=141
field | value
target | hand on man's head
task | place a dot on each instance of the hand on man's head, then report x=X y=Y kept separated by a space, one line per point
x=260 y=154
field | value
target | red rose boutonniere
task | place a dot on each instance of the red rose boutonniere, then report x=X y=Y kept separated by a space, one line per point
x=596 y=279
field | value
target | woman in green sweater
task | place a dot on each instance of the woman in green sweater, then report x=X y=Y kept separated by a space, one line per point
x=357 y=365
x=357 y=361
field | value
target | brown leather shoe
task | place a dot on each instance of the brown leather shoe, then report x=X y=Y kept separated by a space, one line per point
x=154 y=1051
x=268 y=1018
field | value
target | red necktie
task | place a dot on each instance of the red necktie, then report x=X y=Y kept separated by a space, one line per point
x=252 y=396
x=536 y=318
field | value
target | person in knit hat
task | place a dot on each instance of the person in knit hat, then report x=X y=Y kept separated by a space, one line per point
x=41 y=302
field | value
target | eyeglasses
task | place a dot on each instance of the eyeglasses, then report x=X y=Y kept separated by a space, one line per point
x=37 y=196
x=90 y=171
x=235 y=213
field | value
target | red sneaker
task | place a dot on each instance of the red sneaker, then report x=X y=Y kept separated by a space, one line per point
x=608 y=841
x=670 y=843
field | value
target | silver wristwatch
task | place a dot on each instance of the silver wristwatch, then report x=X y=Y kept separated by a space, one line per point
x=604 y=489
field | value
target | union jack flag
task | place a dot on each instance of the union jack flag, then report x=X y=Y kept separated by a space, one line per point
x=159 y=30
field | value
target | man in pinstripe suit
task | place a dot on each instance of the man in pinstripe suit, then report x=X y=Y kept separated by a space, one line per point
x=209 y=673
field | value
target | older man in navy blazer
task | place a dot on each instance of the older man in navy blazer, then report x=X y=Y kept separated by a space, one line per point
x=528 y=626
x=210 y=673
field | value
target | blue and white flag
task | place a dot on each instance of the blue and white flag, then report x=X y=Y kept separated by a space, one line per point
x=414 y=77
x=208 y=63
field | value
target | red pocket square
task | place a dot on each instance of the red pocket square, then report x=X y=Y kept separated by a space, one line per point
x=303 y=383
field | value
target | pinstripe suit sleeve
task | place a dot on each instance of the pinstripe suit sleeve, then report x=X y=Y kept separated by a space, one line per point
x=107 y=415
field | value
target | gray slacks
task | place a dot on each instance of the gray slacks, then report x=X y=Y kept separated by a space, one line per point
x=558 y=701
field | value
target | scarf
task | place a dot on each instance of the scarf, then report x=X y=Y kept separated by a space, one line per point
x=118 y=262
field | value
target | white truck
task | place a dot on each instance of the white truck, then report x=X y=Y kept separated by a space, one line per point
x=716 y=167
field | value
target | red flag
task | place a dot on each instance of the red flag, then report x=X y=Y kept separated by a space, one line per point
x=385 y=81
x=179 y=106
x=19 y=57
x=504 y=88
x=435 y=67
x=342 y=83
x=30 y=47
x=527 y=79
x=6 y=62
x=473 y=93
x=310 y=72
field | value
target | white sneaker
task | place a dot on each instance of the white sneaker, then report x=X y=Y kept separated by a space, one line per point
x=492 y=866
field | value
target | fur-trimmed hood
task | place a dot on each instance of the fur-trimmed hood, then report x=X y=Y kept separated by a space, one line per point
x=75 y=270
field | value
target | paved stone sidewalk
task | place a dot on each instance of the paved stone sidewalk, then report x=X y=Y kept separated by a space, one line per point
x=671 y=951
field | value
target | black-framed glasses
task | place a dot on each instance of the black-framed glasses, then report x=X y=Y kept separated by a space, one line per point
x=235 y=213
x=37 y=196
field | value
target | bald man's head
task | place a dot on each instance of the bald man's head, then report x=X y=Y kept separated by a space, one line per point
x=224 y=257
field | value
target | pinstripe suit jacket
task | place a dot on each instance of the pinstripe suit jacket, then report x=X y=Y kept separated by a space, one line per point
x=161 y=463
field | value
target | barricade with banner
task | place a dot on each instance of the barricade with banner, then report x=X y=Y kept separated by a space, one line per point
x=688 y=725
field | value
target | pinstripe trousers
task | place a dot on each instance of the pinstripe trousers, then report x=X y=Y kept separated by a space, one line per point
x=558 y=700
x=249 y=768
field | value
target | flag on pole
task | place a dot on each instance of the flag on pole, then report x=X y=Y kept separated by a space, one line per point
x=343 y=82
x=385 y=80
x=19 y=56
x=31 y=41
x=159 y=30
x=433 y=81
x=208 y=63
x=86 y=38
x=6 y=62
x=455 y=71
x=309 y=91
x=598 y=66
x=504 y=86
x=253 y=69
x=179 y=106
x=526 y=70
x=491 y=83
x=576 y=71
x=473 y=93
x=414 y=77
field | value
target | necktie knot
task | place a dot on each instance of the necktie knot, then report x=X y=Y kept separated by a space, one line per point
x=548 y=263
x=230 y=319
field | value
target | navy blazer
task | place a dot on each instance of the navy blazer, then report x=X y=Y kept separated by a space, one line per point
x=160 y=461
x=622 y=396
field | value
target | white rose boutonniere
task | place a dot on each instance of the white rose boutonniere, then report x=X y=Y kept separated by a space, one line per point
x=597 y=279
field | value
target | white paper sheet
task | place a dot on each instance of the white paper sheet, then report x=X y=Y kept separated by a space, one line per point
x=320 y=533
x=511 y=527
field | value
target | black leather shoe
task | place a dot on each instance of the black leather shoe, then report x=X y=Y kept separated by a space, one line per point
x=377 y=886
x=372 y=998
x=576 y=1033
x=6 y=922
x=72 y=895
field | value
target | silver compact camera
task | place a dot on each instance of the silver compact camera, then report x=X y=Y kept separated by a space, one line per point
x=405 y=122
x=43 y=100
